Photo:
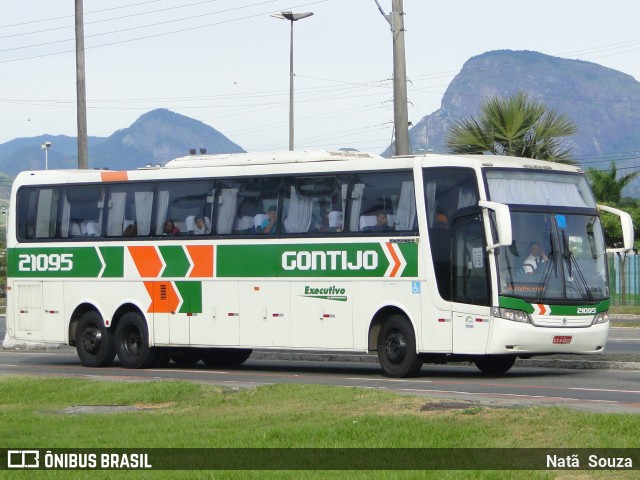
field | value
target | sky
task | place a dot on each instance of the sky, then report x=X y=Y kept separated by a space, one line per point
x=226 y=62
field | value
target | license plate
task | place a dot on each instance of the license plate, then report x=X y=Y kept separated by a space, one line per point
x=562 y=339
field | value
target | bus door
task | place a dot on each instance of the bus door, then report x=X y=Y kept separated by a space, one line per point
x=470 y=286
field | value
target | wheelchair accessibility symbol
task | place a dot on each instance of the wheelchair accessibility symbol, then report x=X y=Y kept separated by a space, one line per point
x=415 y=287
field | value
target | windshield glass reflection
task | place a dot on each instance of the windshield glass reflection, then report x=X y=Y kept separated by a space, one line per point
x=554 y=257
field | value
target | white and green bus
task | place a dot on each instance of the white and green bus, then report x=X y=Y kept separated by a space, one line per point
x=421 y=259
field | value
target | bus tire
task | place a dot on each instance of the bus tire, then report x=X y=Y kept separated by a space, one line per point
x=95 y=344
x=397 y=348
x=495 y=364
x=225 y=357
x=132 y=342
x=184 y=357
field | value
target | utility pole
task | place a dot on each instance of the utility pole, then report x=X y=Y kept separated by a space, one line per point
x=81 y=92
x=400 y=113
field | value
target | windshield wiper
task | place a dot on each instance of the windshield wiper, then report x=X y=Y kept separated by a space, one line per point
x=546 y=274
x=571 y=260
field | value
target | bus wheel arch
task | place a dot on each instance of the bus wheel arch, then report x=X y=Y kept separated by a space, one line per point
x=394 y=338
x=94 y=342
x=378 y=320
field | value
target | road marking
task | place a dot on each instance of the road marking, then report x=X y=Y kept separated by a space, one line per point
x=388 y=380
x=518 y=395
x=602 y=390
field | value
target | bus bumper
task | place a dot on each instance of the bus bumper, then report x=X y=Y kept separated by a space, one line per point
x=521 y=338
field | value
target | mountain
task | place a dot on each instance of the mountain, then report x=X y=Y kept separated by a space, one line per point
x=27 y=154
x=602 y=102
x=156 y=137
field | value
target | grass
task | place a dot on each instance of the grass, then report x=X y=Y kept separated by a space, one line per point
x=626 y=324
x=625 y=310
x=181 y=414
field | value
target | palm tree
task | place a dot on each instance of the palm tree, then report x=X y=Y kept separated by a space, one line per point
x=607 y=186
x=513 y=126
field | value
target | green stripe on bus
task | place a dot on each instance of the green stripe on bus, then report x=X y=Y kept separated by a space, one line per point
x=176 y=260
x=114 y=262
x=191 y=293
x=374 y=259
x=317 y=260
x=66 y=262
x=567 y=310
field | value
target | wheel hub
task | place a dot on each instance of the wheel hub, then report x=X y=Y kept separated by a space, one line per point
x=133 y=342
x=91 y=340
x=395 y=347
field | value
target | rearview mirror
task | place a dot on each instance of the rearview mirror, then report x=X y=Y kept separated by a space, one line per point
x=627 y=229
x=503 y=223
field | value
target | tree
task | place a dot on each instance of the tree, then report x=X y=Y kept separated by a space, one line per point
x=513 y=126
x=607 y=186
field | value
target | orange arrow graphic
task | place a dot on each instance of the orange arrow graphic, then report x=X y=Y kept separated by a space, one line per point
x=396 y=260
x=147 y=260
x=164 y=298
x=202 y=258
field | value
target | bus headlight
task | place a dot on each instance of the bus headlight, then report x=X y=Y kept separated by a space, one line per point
x=602 y=317
x=509 y=314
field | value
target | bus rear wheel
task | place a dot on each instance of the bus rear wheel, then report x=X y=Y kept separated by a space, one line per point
x=495 y=364
x=225 y=357
x=132 y=342
x=397 y=348
x=94 y=343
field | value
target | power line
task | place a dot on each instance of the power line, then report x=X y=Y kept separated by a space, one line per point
x=161 y=34
x=110 y=19
x=30 y=22
x=137 y=27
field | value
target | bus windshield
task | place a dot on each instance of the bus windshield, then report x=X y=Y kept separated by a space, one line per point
x=554 y=258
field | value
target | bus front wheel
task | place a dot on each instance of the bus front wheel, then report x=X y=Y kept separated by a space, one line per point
x=397 y=348
x=94 y=343
x=495 y=364
x=132 y=342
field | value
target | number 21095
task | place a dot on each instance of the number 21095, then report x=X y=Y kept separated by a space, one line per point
x=43 y=262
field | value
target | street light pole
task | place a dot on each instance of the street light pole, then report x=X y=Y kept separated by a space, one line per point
x=46 y=146
x=292 y=17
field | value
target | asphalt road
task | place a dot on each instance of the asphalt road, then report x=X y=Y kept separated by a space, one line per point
x=592 y=390
x=623 y=340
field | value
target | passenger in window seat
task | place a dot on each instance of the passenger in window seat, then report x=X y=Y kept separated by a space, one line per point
x=381 y=223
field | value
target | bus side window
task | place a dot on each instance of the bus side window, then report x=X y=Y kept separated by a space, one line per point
x=268 y=200
x=314 y=204
x=82 y=212
x=177 y=201
x=383 y=202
